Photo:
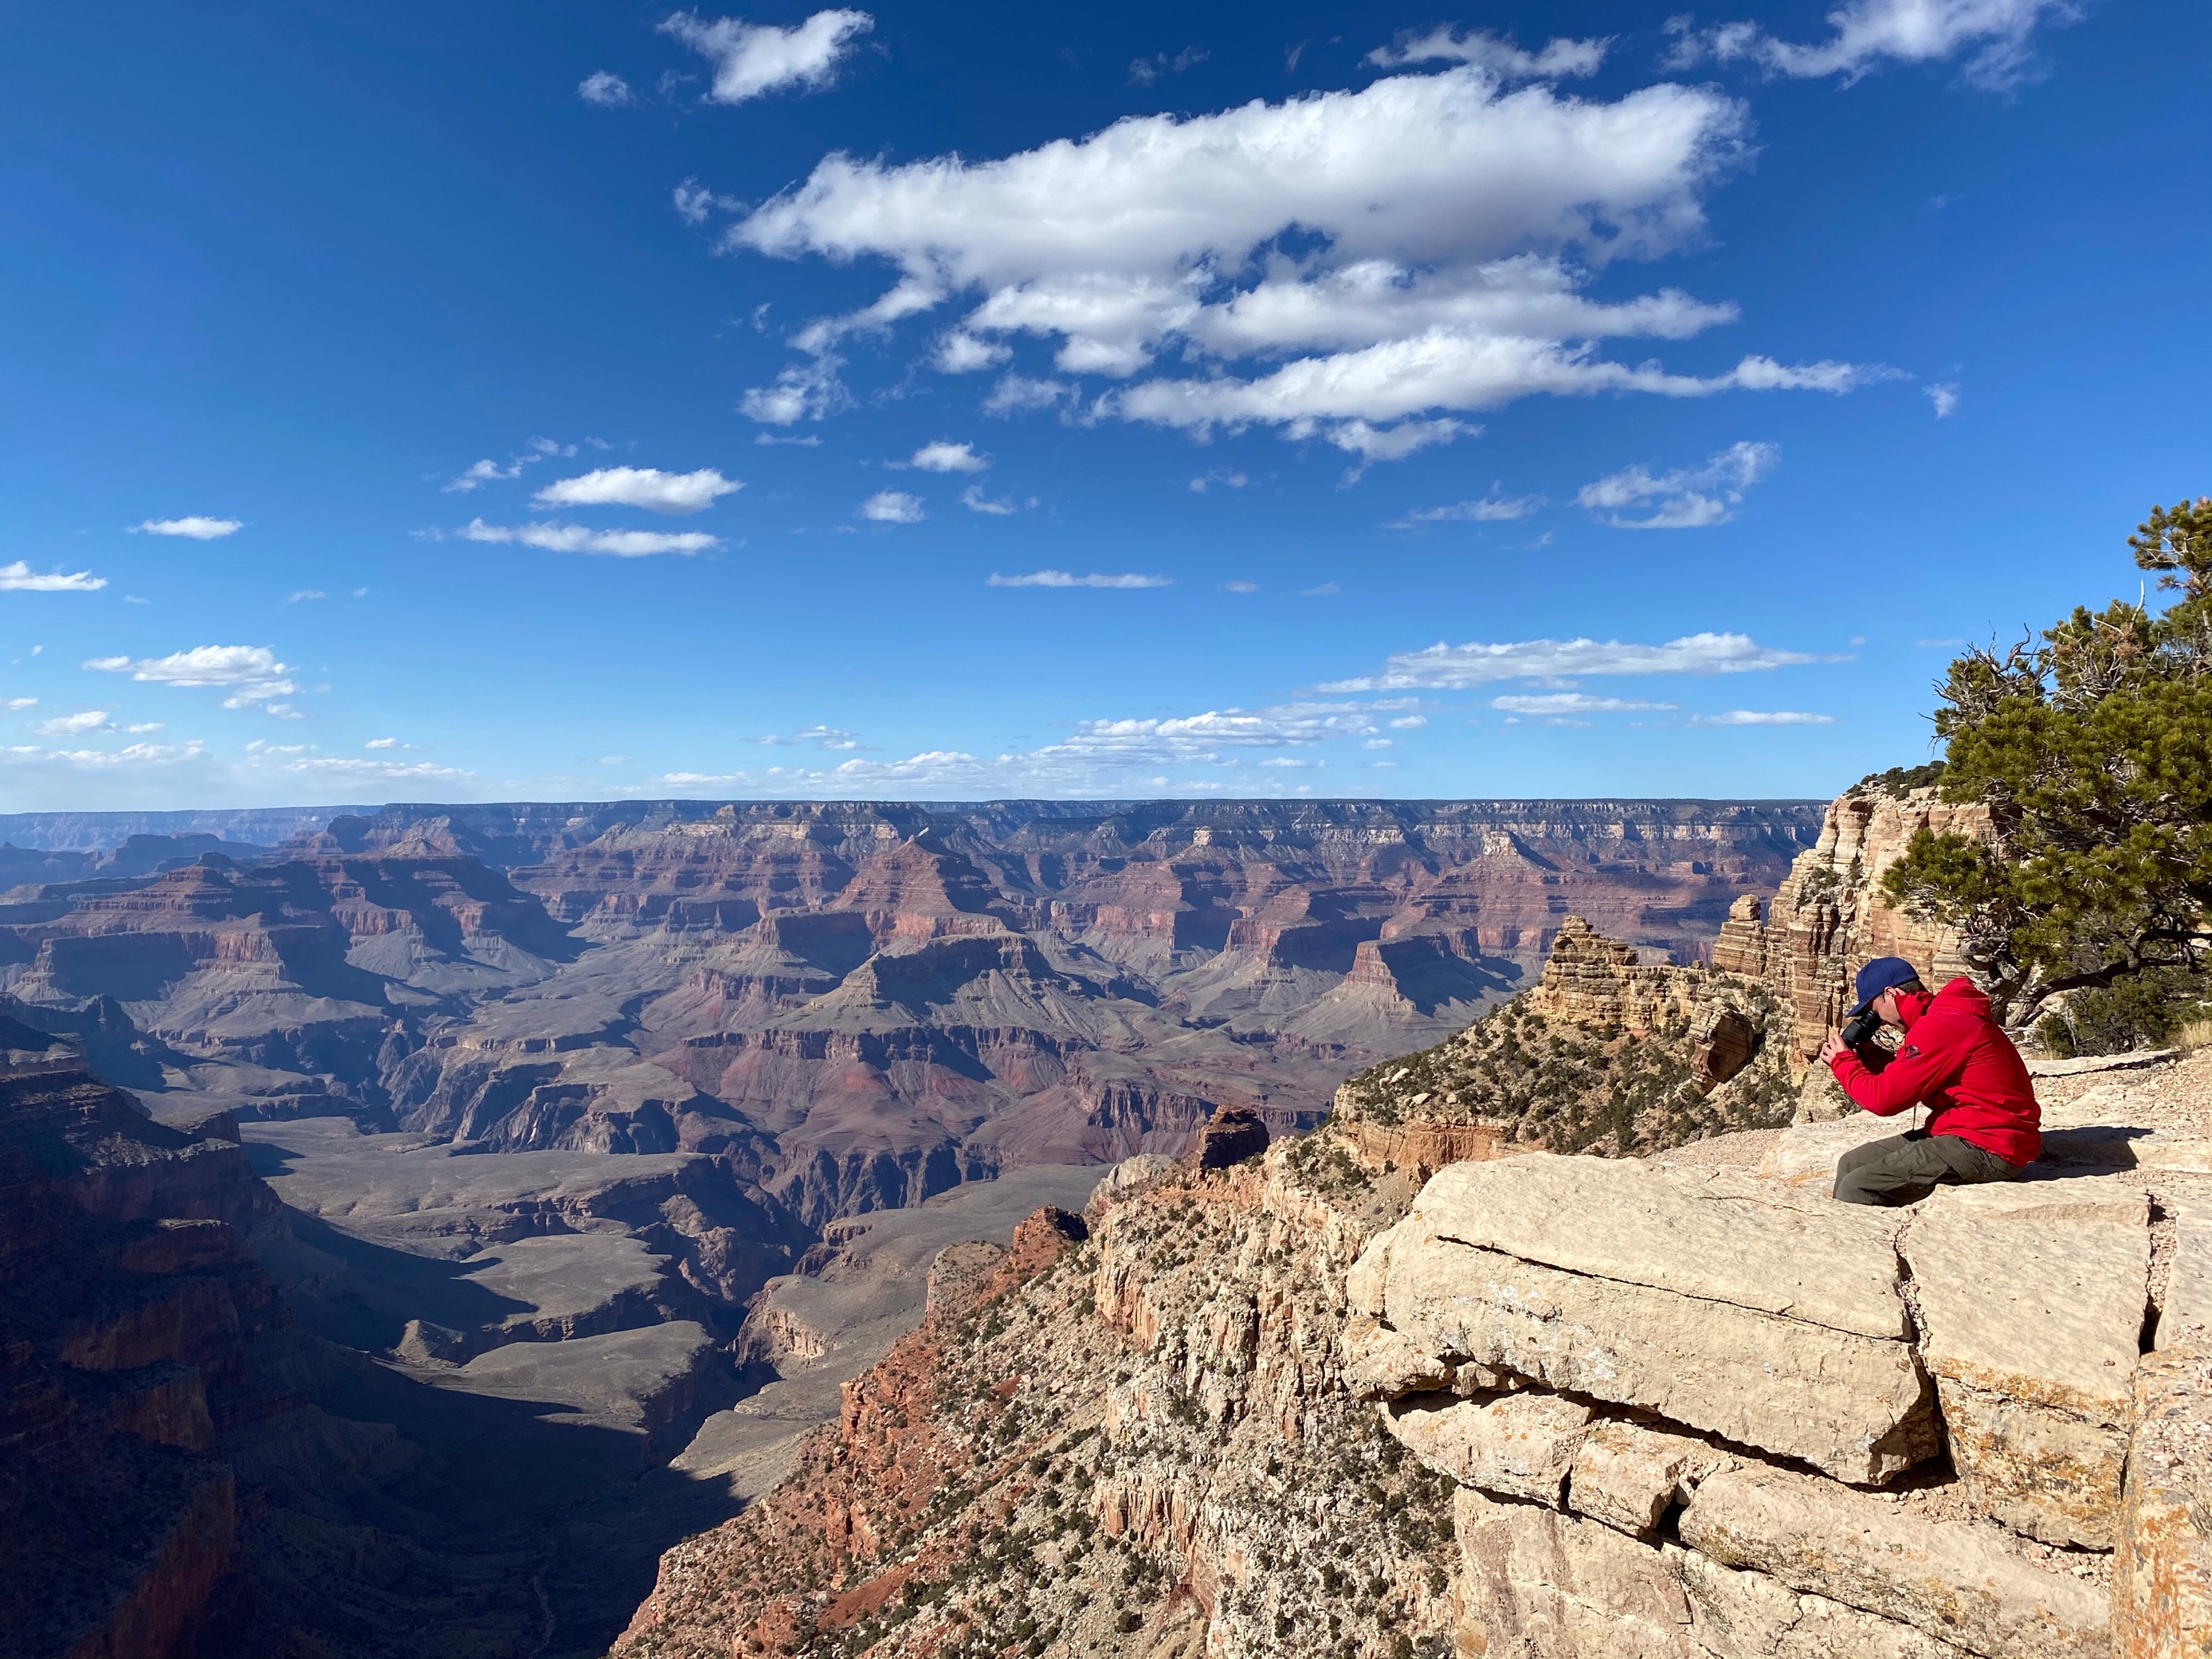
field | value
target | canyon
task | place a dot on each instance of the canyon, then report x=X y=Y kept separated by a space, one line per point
x=1417 y=1384
x=573 y=1158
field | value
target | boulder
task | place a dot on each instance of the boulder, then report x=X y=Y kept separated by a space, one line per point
x=1538 y=1584
x=1961 y=1584
x=1628 y=1476
x=2162 y=1571
x=2032 y=1297
x=1771 y=1321
x=1519 y=1445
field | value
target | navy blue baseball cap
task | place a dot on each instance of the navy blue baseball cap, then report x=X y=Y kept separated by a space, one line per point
x=1882 y=973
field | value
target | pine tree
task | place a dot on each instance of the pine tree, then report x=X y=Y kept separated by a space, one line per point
x=2092 y=751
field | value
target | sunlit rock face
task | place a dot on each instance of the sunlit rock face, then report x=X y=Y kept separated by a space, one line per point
x=858 y=1004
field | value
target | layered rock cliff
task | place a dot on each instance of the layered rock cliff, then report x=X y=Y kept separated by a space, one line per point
x=1540 y=1404
x=864 y=1003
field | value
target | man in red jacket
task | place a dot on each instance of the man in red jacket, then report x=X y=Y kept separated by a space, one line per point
x=1984 y=1123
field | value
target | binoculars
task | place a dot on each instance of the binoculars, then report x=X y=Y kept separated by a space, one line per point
x=1861 y=1028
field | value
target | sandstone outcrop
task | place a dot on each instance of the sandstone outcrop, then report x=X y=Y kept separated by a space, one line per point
x=1691 y=1409
x=1831 y=913
x=1606 y=1053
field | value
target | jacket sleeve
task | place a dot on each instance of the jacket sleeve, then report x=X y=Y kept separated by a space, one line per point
x=1907 y=1081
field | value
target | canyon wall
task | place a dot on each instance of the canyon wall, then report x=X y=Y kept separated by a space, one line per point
x=860 y=1004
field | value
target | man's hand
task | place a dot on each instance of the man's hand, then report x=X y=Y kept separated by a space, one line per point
x=1832 y=1047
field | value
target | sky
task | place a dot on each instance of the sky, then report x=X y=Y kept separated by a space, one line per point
x=570 y=401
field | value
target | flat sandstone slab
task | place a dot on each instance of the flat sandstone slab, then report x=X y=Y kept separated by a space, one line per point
x=1960 y=1583
x=2032 y=1299
x=1700 y=1233
x=1857 y=1407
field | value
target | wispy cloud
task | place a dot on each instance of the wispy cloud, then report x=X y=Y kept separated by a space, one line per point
x=19 y=578
x=1462 y=667
x=1572 y=702
x=196 y=526
x=943 y=456
x=1763 y=717
x=580 y=539
x=641 y=486
x=75 y=726
x=1996 y=37
x=751 y=59
x=975 y=501
x=1944 y=397
x=1206 y=481
x=1488 y=52
x=1144 y=71
x=892 y=507
x=1492 y=508
x=482 y=473
x=249 y=673
x=1064 y=579
x=129 y=757
x=301 y=595
x=1690 y=498
x=606 y=89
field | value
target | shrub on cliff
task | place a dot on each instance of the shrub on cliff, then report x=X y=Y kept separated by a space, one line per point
x=2092 y=751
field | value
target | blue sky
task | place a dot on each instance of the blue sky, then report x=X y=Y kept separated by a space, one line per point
x=577 y=401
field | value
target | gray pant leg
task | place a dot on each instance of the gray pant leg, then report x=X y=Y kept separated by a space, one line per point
x=1904 y=1168
x=1897 y=1170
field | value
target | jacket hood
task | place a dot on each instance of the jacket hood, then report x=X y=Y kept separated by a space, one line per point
x=1960 y=996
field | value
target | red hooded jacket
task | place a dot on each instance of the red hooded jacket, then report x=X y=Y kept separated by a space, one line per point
x=1956 y=1059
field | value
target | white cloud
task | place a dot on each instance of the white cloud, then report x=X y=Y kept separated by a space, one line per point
x=892 y=507
x=1763 y=717
x=810 y=442
x=1063 y=579
x=579 y=539
x=1462 y=667
x=959 y=352
x=249 y=673
x=695 y=202
x=1407 y=722
x=1945 y=397
x=382 y=743
x=753 y=58
x=606 y=89
x=482 y=473
x=1206 y=481
x=1572 y=702
x=1144 y=71
x=198 y=527
x=1253 y=746
x=804 y=392
x=75 y=726
x=21 y=703
x=946 y=456
x=1241 y=587
x=18 y=577
x=975 y=501
x=1501 y=57
x=1492 y=508
x=301 y=595
x=1425 y=242
x=301 y=758
x=1017 y=392
x=641 y=486
x=1325 y=591
x=1997 y=34
x=130 y=756
x=1688 y=498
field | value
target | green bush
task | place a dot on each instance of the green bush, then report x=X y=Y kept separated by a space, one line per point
x=2141 y=1012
